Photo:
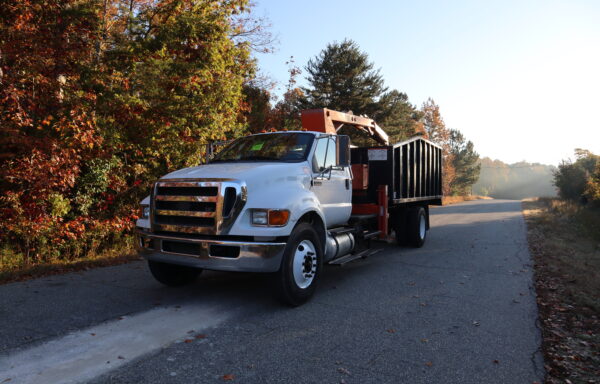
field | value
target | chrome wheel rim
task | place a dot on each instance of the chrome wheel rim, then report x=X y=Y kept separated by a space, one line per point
x=422 y=226
x=305 y=264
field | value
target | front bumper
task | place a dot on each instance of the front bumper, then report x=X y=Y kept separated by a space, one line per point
x=190 y=252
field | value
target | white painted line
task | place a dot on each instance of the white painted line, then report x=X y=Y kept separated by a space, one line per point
x=85 y=354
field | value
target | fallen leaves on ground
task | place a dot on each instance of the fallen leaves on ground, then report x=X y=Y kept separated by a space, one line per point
x=343 y=371
x=228 y=377
x=564 y=258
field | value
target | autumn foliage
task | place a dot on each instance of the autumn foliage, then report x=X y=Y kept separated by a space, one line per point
x=99 y=99
x=579 y=180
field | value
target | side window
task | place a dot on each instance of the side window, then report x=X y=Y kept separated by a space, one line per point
x=320 y=154
x=331 y=159
x=325 y=154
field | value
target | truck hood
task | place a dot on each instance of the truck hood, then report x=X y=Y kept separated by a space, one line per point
x=240 y=171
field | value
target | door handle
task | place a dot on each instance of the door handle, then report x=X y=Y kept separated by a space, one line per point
x=316 y=182
x=347 y=183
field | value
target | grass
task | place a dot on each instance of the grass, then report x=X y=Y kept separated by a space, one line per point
x=564 y=240
x=447 y=200
x=12 y=268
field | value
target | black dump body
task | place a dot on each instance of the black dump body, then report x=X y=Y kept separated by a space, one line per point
x=412 y=170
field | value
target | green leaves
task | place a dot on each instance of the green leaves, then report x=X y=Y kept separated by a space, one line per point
x=579 y=179
x=99 y=99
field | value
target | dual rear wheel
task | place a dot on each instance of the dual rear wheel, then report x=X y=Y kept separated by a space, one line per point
x=410 y=226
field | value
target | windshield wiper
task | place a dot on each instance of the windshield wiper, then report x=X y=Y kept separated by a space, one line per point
x=224 y=160
x=264 y=158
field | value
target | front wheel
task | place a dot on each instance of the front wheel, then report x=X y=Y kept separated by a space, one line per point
x=300 y=267
x=173 y=275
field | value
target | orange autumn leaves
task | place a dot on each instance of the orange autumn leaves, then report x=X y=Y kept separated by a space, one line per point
x=99 y=99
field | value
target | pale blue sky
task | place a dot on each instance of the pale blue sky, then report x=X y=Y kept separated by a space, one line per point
x=521 y=79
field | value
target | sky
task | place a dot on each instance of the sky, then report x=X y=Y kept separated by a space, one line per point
x=521 y=79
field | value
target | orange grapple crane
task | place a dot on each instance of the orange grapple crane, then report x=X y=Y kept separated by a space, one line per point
x=329 y=121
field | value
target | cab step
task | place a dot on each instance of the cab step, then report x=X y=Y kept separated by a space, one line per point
x=353 y=256
x=370 y=235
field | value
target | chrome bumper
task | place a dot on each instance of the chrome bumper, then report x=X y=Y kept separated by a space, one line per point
x=253 y=256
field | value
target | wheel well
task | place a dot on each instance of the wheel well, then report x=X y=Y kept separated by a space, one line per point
x=314 y=219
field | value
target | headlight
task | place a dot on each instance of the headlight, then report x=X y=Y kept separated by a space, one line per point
x=260 y=217
x=145 y=212
x=270 y=217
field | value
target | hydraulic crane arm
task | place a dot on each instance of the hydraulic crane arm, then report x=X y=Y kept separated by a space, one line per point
x=328 y=121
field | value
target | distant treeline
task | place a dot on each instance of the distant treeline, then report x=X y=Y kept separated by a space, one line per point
x=514 y=181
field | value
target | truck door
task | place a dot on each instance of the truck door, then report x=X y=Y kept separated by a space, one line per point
x=331 y=182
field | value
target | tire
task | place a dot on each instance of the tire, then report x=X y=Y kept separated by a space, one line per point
x=173 y=275
x=399 y=224
x=417 y=226
x=301 y=266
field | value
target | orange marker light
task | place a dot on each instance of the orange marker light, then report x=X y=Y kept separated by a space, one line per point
x=279 y=217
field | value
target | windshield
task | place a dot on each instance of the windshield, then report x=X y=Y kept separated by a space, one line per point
x=293 y=146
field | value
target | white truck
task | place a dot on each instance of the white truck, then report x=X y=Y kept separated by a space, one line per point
x=288 y=202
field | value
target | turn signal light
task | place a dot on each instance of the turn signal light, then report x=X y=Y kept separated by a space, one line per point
x=270 y=217
x=279 y=218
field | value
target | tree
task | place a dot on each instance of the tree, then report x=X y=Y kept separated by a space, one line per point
x=465 y=162
x=286 y=113
x=399 y=118
x=257 y=108
x=436 y=131
x=592 y=189
x=570 y=179
x=574 y=180
x=99 y=99
x=341 y=77
x=433 y=123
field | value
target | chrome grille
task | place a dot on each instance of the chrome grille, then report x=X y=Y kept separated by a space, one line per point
x=203 y=206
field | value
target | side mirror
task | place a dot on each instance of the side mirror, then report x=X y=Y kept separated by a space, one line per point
x=343 y=150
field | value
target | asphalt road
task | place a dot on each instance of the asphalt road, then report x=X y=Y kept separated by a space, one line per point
x=459 y=310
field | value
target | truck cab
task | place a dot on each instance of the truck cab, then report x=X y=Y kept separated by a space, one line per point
x=278 y=202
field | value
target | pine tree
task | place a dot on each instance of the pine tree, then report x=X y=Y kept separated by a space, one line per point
x=398 y=117
x=465 y=162
x=342 y=78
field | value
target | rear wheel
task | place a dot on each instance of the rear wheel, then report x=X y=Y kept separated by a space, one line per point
x=301 y=266
x=399 y=224
x=417 y=226
x=173 y=275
